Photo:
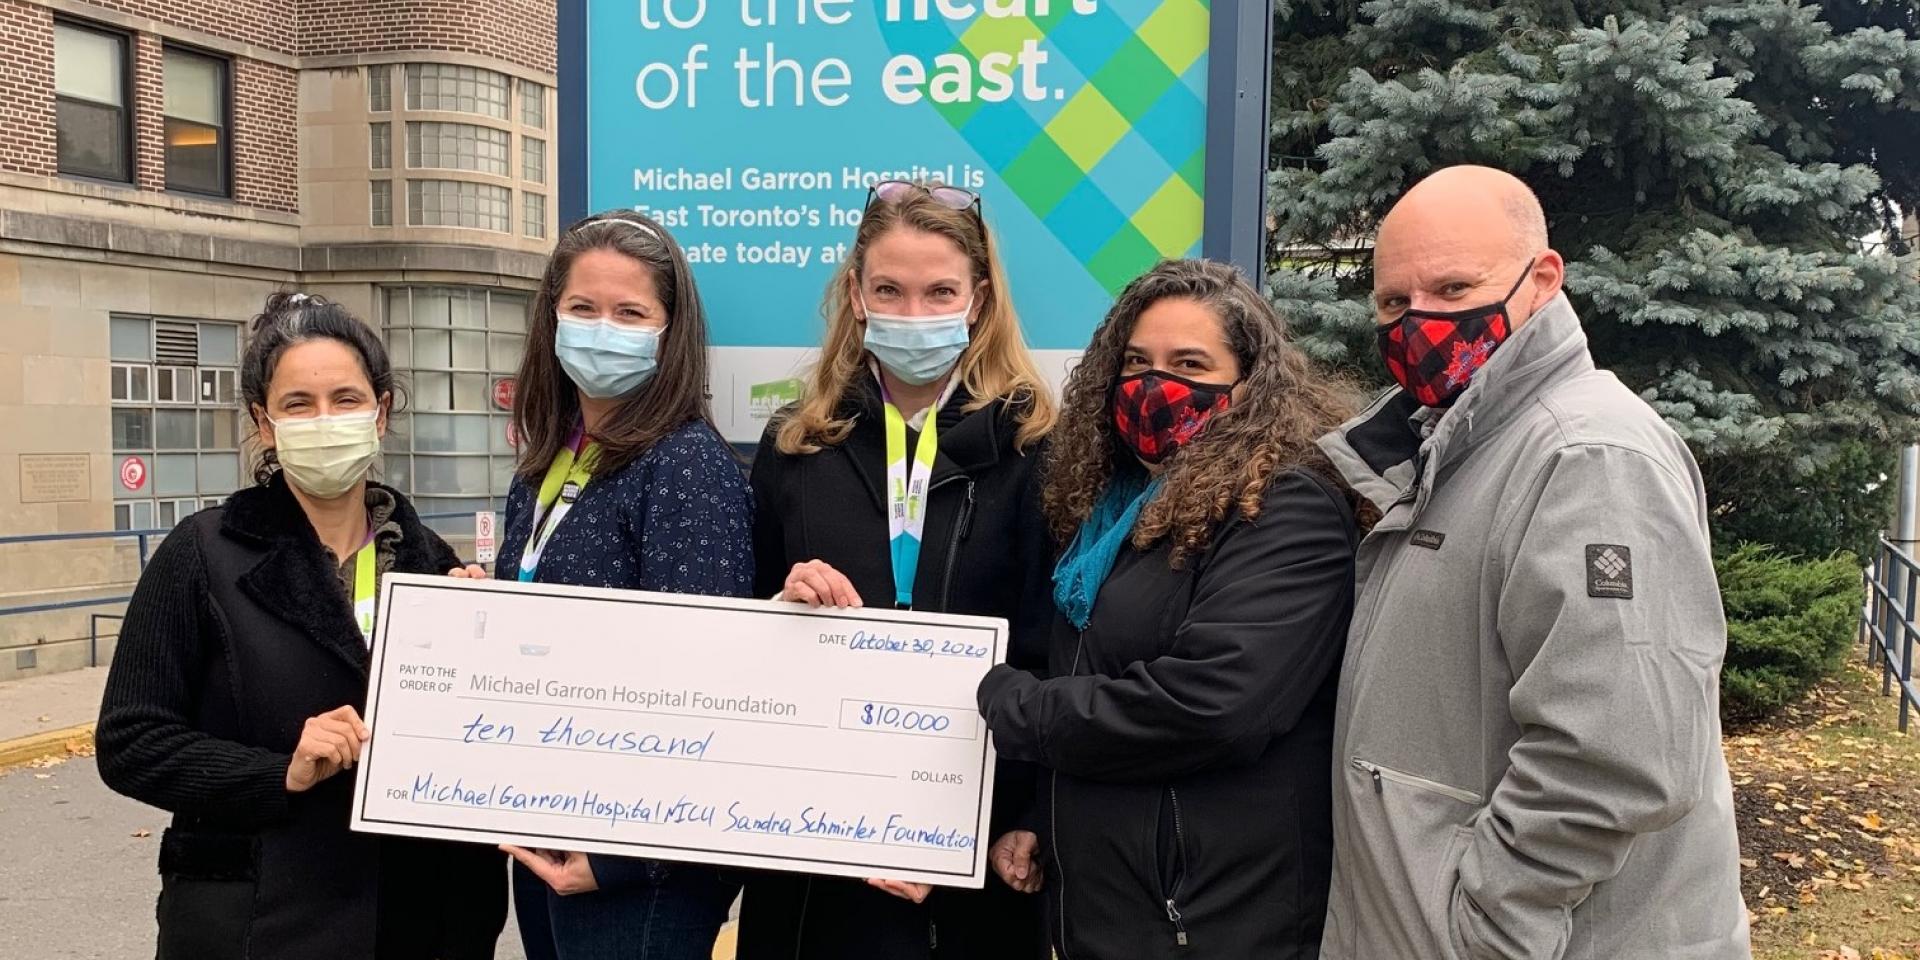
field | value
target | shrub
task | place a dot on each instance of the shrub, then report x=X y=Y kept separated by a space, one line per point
x=1841 y=500
x=1790 y=623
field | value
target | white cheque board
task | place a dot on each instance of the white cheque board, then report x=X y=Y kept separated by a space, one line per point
x=739 y=732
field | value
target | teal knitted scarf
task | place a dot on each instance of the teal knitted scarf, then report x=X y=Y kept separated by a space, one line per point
x=1089 y=558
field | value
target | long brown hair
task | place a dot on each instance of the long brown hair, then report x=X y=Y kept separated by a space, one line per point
x=546 y=403
x=996 y=365
x=1283 y=406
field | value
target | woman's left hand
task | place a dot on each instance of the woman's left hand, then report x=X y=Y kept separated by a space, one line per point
x=916 y=892
x=566 y=871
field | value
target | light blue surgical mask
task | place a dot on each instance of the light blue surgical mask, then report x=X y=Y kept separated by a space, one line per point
x=606 y=359
x=918 y=350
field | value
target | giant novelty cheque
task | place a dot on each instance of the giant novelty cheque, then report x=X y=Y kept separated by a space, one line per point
x=738 y=732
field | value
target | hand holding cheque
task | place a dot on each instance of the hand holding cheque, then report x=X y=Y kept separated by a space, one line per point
x=737 y=732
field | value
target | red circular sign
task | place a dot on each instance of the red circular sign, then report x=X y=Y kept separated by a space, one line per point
x=503 y=393
x=133 y=473
x=513 y=435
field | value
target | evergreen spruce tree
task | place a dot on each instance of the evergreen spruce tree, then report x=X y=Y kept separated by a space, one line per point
x=1725 y=177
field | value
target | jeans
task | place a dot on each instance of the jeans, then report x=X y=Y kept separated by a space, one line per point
x=649 y=910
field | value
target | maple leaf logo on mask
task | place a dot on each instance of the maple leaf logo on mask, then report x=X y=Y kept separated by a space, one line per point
x=1190 y=423
x=1467 y=358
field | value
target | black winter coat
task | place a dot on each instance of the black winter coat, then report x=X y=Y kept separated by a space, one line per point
x=986 y=552
x=1187 y=735
x=237 y=633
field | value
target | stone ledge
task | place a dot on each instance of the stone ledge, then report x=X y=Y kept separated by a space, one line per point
x=131 y=196
x=130 y=240
x=420 y=257
x=339 y=61
x=124 y=240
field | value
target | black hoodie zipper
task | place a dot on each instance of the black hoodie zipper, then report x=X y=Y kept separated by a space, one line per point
x=1180 y=877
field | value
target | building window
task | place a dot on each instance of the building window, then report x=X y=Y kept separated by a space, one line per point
x=533 y=105
x=196 y=118
x=533 y=215
x=379 y=89
x=456 y=203
x=380 y=149
x=90 y=102
x=380 y=213
x=533 y=159
x=459 y=348
x=176 y=407
x=444 y=86
x=457 y=146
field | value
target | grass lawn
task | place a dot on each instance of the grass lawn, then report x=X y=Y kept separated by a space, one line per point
x=1828 y=797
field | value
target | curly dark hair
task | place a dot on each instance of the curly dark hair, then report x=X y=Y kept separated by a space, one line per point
x=1283 y=406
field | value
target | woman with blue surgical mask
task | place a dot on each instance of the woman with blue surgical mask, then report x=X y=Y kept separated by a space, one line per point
x=624 y=483
x=905 y=478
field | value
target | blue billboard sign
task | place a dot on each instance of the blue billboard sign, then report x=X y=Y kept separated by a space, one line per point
x=1102 y=135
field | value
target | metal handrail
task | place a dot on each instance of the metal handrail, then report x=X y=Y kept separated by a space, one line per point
x=144 y=538
x=90 y=535
x=1887 y=620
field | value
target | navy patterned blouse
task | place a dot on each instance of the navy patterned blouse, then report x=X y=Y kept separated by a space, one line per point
x=678 y=519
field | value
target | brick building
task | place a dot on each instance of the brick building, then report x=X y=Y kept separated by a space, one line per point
x=165 y=165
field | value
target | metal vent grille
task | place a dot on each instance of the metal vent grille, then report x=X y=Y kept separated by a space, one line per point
x=176 y=343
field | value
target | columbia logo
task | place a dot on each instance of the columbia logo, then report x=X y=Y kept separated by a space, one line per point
x=1609 y=571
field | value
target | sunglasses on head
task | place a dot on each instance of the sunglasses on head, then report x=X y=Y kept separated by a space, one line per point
x=953 y=198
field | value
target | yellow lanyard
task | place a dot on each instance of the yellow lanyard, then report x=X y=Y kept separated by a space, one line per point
x=566 y=478
x=907 y=498
x=363 y=589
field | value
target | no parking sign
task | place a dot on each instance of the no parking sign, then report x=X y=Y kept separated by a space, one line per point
x=133 y=473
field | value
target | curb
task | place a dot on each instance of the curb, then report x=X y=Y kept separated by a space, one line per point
x=50 y=743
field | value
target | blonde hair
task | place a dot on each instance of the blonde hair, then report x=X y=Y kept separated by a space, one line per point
x=995 y=367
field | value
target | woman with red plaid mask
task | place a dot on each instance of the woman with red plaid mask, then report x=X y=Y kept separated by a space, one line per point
x=908 y=477
x=1203 y=601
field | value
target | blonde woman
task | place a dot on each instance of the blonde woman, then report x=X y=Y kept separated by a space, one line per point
x=924 y=364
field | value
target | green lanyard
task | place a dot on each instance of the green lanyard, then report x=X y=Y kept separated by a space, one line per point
x=566 y=477
x=363 y=589
x=907 y=498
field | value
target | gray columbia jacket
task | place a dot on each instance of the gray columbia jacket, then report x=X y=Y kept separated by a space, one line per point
x=1527 y=747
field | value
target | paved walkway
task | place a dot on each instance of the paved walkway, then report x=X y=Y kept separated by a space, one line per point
x=78 y=879
x=52 y=702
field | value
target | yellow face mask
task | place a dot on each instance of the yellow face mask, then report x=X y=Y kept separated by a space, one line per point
x=326 y=456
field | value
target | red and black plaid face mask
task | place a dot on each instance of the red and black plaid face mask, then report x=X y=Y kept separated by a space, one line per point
x=1435 y=354
x=1156 y=413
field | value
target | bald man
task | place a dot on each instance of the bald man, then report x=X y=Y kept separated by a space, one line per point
x=1527 y=745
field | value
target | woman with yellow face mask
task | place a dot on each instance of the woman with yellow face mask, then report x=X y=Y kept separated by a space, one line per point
x=235 y=694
